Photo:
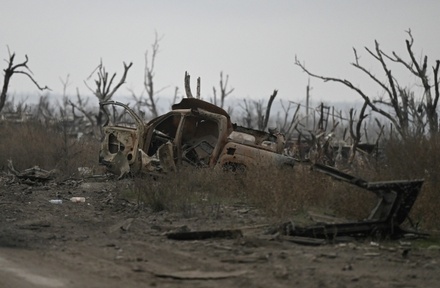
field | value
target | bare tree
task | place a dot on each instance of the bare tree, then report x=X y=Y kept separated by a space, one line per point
x=149 y=85
x=407 y=113
x=176 y=95
x=247 y=118
x=259 y=110
x=198 y=88
x=224 y=90
x=12 y=69
x=45 y=111
x=187 y=82
x=255 y=110
x=356 y=133
x=149 y=74
x=287 y=127
x=268 y=108
x=104 y=90
x=81 y=106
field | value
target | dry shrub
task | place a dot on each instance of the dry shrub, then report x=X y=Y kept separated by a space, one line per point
x=31 y=144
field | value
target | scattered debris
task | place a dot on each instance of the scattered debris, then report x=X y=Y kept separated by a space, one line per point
x=85 y=171
x=122 y=226
x=200 y=275
x=305 y=240
x=372 y=254
x=405 y=253
x=328 y=255
x=202 y=235
x=34 y=224
x=138 y=269
x=34 y=174
x=56 y=201
x=78 y=199
x=348 y=267
x=246 y=259
x=374 y=244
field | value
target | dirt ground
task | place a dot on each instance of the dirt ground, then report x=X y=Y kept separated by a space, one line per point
x=110 y=242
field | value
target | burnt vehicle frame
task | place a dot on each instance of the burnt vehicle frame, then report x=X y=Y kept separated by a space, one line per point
x=194 y=132
x=394 y=202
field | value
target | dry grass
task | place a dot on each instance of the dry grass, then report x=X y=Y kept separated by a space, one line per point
x=34 y=144
x=191 y=192
x=278 y=193
x=417 y=159
x=287 y=192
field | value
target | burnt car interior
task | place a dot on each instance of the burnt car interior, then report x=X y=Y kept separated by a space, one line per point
x=199 y=137
x=195 y=143
x=165 y=131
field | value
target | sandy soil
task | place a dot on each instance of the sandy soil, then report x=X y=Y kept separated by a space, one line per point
x=109 y=242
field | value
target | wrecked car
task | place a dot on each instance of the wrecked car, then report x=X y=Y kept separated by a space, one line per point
x=194 y=132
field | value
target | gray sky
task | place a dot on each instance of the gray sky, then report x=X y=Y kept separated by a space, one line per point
x=254 y=42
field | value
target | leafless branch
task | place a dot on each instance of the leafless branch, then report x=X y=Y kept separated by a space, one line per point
x=103 y=84
x=356 y=89
x=149 y=76
x=224 y=92
x=13 y=69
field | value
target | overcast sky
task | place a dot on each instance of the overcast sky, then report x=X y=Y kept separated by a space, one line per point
x=254 y=42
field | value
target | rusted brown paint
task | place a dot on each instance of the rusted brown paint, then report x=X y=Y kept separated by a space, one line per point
x=194 y=132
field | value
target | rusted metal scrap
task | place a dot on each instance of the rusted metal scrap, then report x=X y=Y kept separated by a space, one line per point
x=205 y=234
x=34 y=174
x=194 y=132
x=394 y=202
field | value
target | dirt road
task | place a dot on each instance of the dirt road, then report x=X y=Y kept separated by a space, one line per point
x=110 y=242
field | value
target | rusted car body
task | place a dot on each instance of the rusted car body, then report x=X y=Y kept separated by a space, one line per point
x=194 y=133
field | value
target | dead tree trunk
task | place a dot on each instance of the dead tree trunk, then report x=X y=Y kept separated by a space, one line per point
x=104 y=90
x=259 y=109
x=268 y=108
x=188 y=85
x=224 y=92
x=151 y=103
x=247 y=119
x=356 y=134
x=12 y=69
